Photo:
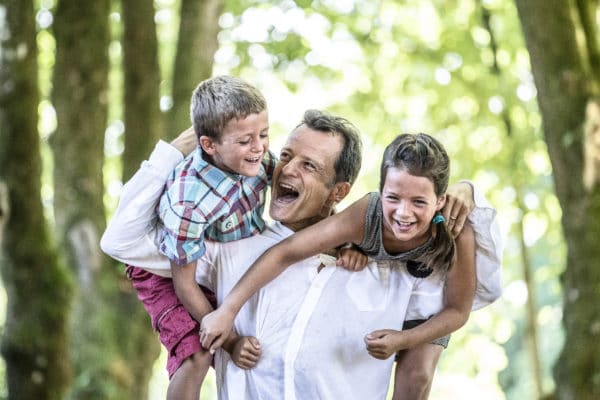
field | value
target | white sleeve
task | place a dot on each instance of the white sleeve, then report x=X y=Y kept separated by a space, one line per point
x=131 y=234
x=488 y=251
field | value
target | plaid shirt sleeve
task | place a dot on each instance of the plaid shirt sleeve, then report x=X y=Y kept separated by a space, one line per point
x=269 y=162
x=182 y=239
x=185 y=219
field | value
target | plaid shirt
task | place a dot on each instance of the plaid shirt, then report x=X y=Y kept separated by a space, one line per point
x=202 y=202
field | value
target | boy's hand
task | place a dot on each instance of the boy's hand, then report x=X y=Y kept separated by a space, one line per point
x=459 y=204
x=246 y=352
x=186 y=142
x=384 y=343
x=352 y=259
x=215 y=328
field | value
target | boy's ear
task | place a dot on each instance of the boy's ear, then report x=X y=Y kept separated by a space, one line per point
x=208 y=145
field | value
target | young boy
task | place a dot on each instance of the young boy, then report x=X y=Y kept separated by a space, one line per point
x=216 y=193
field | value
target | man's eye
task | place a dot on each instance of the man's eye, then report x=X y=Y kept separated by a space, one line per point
x=244 y=142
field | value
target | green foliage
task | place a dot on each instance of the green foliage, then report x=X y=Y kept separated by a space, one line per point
x=450 y=68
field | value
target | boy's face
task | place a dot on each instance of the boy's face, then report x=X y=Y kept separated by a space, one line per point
x=243 y=144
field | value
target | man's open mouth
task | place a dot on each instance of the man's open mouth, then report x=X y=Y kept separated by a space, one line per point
x=286 y=193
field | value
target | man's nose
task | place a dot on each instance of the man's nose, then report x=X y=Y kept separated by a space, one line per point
x=290 y=168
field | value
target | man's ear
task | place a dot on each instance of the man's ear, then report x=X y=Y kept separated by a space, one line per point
x=441 y=202
x=208 y=145
x=339 y=192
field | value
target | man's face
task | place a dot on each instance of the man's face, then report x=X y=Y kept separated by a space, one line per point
x=303 y=181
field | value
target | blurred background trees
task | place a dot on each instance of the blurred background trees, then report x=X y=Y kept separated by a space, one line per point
x=509 y=87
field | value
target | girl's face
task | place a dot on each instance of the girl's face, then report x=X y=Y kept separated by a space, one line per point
x=409 y=204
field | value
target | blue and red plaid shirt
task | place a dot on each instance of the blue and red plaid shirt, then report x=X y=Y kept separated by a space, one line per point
x=202 y=202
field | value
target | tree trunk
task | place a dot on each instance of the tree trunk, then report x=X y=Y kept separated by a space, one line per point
x=196 y=47
x=143 y=119
x=80 y=98
x=38 y=287
x=143 y=127
x=564 y=93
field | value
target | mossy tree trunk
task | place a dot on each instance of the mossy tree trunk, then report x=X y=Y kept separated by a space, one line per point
x=561 y=40
x=35 y=337
x=196 y=47
x=143 y=119
x=80 y=98
x=143 y=127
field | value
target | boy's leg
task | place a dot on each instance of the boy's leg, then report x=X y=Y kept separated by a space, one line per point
x=414 y=371
x=187 y=363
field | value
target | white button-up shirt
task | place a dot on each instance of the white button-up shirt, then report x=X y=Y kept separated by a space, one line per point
x=310 y=324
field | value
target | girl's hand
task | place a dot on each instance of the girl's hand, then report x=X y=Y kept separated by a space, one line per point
x=459 y=204
x=384 y=343
x=352 y=259
x=215 y=327
x=246 y=352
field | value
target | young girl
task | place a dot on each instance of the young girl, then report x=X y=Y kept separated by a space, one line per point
x=401 y=224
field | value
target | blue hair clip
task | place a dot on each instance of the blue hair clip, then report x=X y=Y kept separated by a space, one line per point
x=438 y=218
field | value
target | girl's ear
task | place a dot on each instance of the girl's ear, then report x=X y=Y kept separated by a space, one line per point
x=208 y=145
x=441 y=202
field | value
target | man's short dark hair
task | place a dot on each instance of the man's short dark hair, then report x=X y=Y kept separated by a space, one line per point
x=347 y=165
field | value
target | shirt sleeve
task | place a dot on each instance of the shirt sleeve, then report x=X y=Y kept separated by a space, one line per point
x=130 y=236
x=269 y=162
x=182 y=238
x=488 y=251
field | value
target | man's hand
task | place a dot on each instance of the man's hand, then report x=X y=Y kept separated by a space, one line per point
x=384 y=343
x=459 y=204
x=246 y=352
x=186 y=142
x=352 y=259
x=215 y=328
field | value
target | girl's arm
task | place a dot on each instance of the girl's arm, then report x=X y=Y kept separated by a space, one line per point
x=459 y=291
x=344 y=227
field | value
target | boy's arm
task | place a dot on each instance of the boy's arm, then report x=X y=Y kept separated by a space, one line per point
x=188 y=291
x=130 y=235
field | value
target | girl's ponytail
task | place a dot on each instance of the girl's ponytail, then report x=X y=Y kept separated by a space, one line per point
x=443 y=248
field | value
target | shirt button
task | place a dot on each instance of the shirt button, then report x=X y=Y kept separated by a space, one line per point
x=229 y=225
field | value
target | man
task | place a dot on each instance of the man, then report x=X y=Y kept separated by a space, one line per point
x=312 y=319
